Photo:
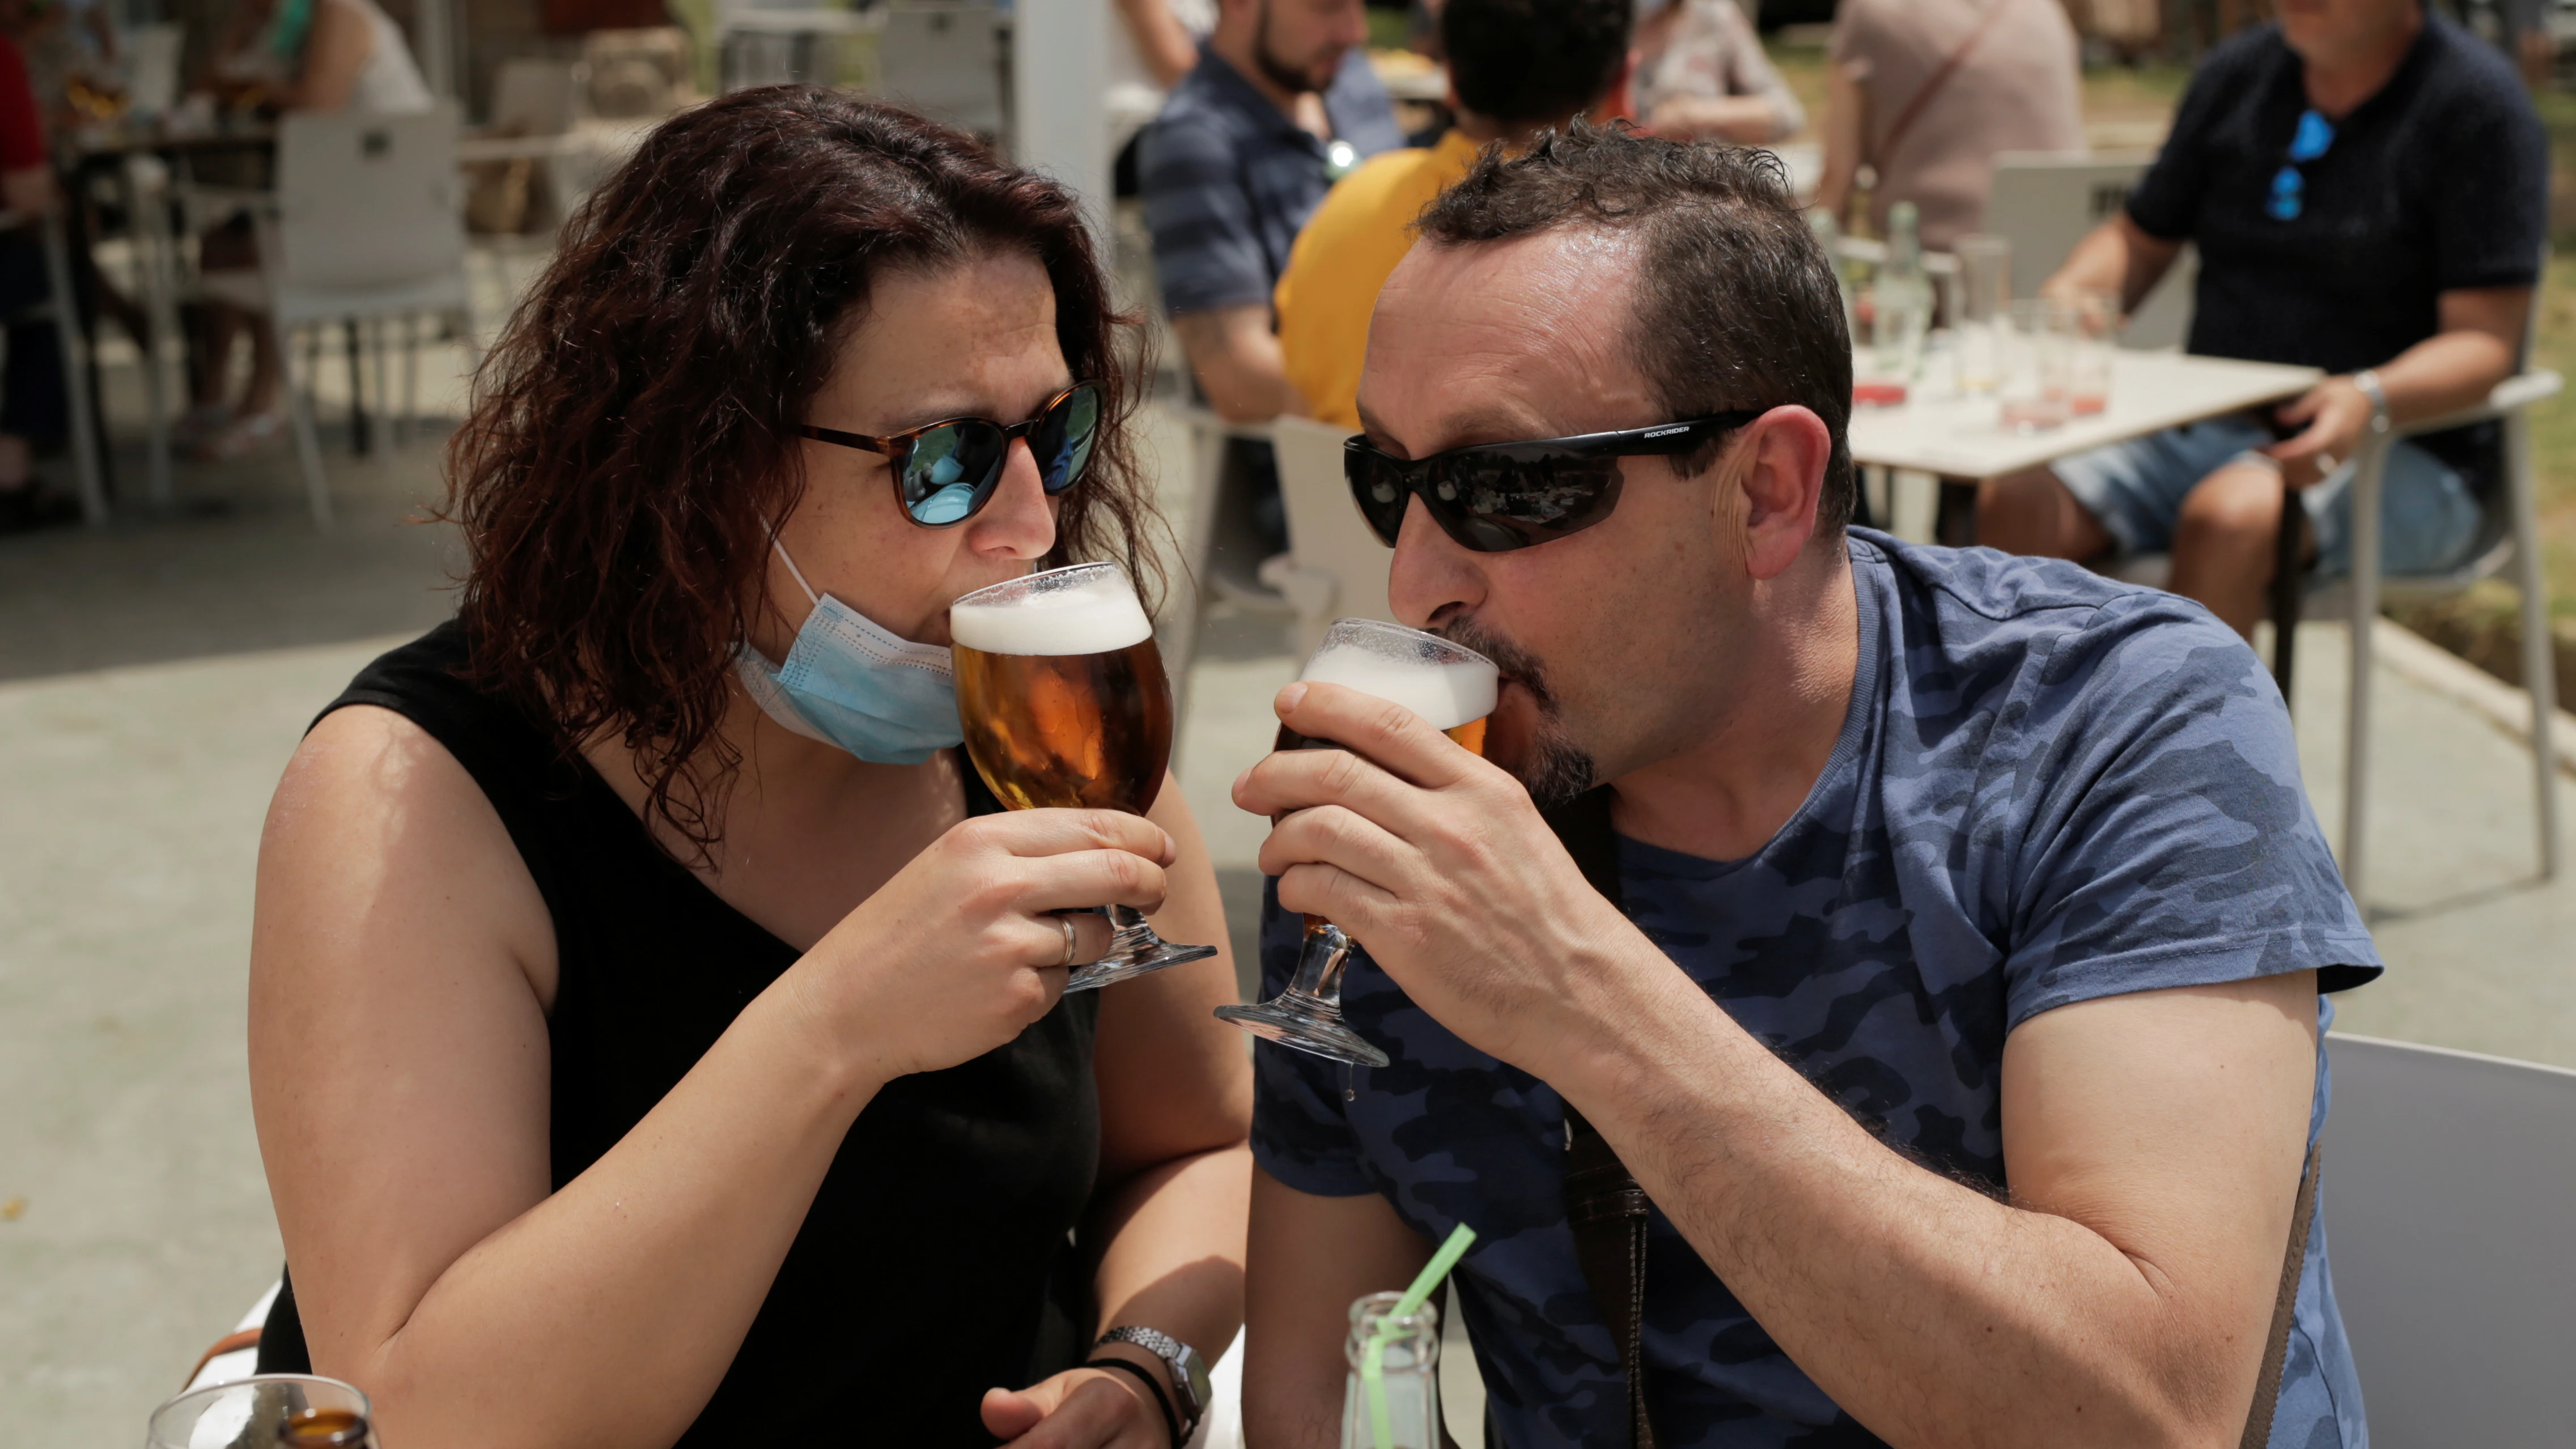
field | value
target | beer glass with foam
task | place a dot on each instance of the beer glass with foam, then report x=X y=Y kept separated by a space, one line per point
x=1453 y=689
x=1065 y=704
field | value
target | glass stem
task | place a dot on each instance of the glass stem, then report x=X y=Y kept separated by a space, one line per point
x=1319 y=970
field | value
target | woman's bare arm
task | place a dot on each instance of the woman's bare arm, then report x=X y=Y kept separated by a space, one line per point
x=1175 y=1110
x=401 y=962
x=1846 y=118
x=335 y=51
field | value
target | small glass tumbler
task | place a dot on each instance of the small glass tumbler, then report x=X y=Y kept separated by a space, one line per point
x=254 y=1413
x=1984 y=292
x=2032 y=386
x=2093 y=320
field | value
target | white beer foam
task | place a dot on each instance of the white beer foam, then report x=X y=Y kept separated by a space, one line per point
x=1092 y=617
x=1445 y=694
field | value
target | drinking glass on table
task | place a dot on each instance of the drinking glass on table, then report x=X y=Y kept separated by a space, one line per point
x=1985 y=289
x=263 y=1412
x=2033 y=380
x=1064 y=702
x=2094 y=319
x=1450 y=687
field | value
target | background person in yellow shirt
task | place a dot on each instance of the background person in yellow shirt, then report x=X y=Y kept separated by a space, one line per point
x=1516 y=68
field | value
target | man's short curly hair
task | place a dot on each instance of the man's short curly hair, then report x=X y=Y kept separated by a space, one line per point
x=1735 y=304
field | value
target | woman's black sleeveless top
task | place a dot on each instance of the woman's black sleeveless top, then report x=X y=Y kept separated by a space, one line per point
x=936 y=1261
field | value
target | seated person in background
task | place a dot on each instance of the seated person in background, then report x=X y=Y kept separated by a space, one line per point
x=34 y=405
x=1516 y=67
x=2367 y=186
x=1925 y=92
x=1702 y=76
x=1958 y=1016
x=1152 y=44
x=282 y=55
x=1230 y=174
x=658 y=1029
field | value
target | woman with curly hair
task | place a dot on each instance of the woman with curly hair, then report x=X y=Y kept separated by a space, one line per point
x=658 y=1034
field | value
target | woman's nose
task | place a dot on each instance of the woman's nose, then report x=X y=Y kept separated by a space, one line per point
x=1020 y=521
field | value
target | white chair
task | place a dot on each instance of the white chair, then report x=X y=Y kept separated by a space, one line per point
x=944 y=61
x=236 y=1354
x=2446 y=1182
x=2511 y=540
x=365 y=225
x=1334 y=568
x=2044 y=202
x=60 y=308
x=1221 y=555
x=152 y=77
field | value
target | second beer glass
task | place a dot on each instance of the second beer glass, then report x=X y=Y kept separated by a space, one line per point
x=1450 y=687
x=1064 y=703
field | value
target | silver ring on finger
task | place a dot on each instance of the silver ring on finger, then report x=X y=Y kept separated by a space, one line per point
x=1065 y=923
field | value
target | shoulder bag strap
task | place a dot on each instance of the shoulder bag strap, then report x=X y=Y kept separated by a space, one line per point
x=1950 y=64
x=2285 y=1308
x=1603 y=1204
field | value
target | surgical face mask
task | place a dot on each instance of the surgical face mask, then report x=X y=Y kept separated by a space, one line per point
x=849 y=683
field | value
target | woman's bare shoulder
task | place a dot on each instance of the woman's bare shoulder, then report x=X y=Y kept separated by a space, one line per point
x=373 y=821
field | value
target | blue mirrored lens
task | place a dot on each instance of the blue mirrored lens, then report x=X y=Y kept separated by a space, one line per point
x=949 y=472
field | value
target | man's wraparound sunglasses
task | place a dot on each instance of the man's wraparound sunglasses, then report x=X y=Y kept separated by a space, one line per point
x=945 y=473
x=1497 y=497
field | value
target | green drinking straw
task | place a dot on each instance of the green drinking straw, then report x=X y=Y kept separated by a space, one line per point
x=1373 y=1354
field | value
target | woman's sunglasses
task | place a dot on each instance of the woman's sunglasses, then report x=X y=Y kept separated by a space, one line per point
x=945 y=473
x=1501 y=496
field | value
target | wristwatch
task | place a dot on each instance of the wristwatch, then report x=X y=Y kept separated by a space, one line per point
x=1189 y=1371
x=2368 y=381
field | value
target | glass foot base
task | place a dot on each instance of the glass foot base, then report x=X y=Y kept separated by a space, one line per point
x=1306 y=1025
x=1131 y=957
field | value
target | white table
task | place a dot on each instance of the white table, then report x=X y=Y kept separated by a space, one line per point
x=1962 y=436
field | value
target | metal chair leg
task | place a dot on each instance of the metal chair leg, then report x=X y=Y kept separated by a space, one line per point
x=147 y=212
x=2288 y=590
x=2539 y=666
x=2366 y=487
x=67 y=336
x=308 y=440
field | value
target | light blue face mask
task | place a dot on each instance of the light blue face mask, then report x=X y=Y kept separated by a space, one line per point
x=849 y=683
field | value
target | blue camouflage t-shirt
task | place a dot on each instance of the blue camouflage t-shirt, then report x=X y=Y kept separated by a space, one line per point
x=2049 y=787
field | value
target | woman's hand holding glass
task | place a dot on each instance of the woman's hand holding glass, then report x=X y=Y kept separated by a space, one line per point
x=963 y=948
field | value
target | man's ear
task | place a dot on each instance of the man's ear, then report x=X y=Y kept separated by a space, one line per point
x=1781 y=470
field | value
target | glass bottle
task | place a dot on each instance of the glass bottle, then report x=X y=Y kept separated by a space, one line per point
x=1409 y=1376
x=1904 y=296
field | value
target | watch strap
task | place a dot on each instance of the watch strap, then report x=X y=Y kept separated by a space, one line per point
x=1189 y=1371
x=1153 y=1391
x=2368 y=381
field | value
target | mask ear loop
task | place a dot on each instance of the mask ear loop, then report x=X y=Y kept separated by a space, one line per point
x=780 y=549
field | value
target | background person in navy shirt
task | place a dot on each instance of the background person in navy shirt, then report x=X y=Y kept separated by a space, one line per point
x=2368 y=188
x=1962 y=1022
x=1283 y=101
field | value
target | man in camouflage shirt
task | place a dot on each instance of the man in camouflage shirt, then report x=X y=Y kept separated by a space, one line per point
x=1962 y=1021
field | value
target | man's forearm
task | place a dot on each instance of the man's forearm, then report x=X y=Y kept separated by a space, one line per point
x=2444 y=373
x=1235 y=357
x=1928 y=1310
x=2117 y=256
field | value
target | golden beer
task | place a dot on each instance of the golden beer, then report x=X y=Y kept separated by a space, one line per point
x=1068 y=730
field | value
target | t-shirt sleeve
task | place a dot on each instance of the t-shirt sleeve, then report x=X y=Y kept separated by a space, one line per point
x=2167 y=840
x=1299 y=1134
x=22 y=130
x=1207 y=249
x=2166 y=201
x=2492 y=185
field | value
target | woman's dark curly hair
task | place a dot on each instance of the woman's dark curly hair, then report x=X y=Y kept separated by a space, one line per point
x=633 y=439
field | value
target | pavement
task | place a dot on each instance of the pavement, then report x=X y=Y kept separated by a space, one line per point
x=155 y=676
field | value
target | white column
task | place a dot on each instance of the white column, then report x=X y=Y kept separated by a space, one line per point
x=1060 y=105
